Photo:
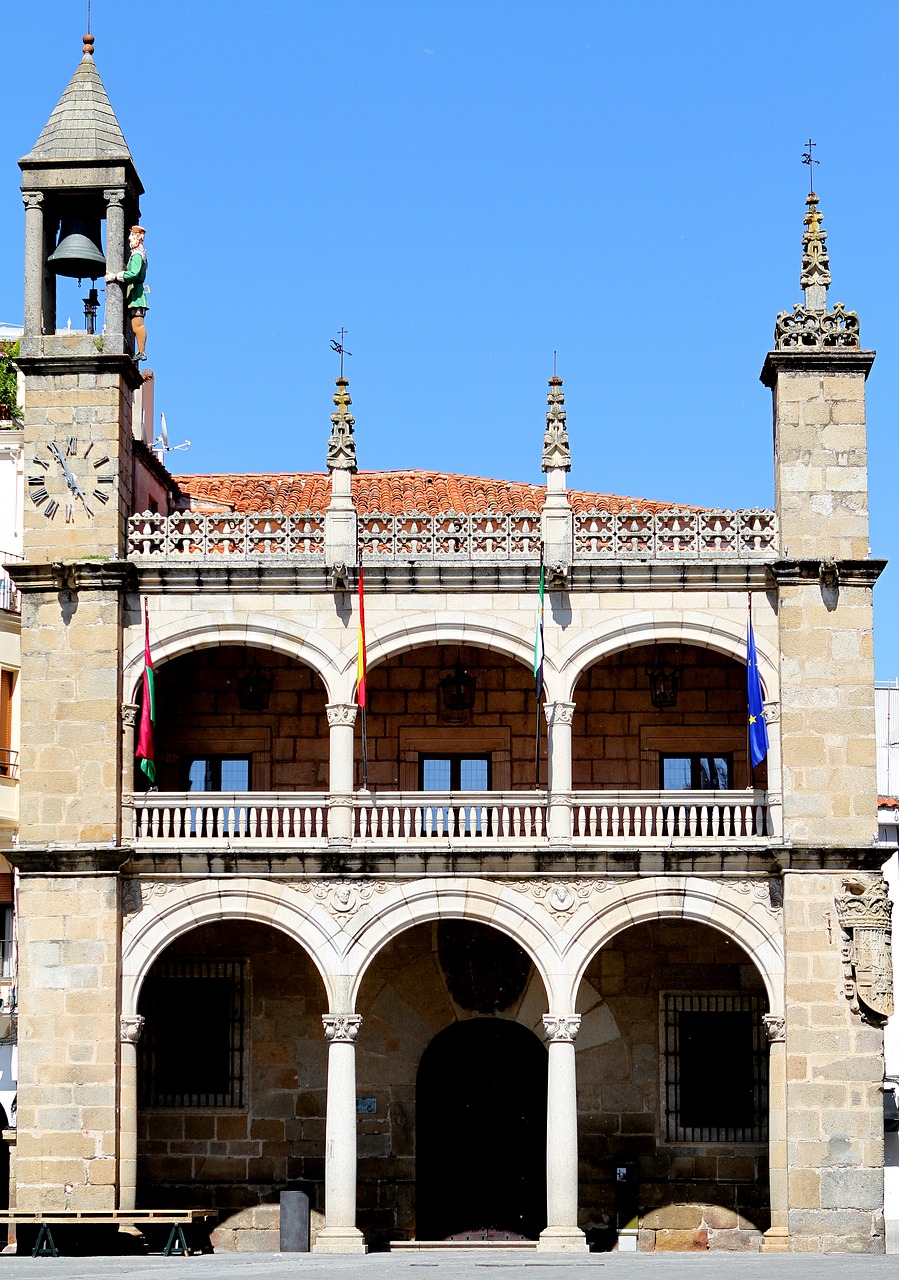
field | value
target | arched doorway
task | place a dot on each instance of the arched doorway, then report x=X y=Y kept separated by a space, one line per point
x=481 y=1131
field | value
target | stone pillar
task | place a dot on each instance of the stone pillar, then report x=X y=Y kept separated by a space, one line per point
x=340 y=1233
x=558 y=721
x=777 y=1237
x=115 y=261
x=34 y=263
x=341 y=725
x=562 y=1234
x=130 y=712
x=130 y=1032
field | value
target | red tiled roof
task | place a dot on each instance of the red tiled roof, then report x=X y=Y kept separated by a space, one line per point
x=391 y=491
x=888 y=802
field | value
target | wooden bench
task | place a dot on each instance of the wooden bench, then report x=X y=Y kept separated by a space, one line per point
x=177 y=1219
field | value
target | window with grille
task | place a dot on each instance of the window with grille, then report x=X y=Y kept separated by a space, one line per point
x=192 y=1047
x=715 y=1068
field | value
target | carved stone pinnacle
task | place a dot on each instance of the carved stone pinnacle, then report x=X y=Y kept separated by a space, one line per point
x=342 y=444
x=556 y=452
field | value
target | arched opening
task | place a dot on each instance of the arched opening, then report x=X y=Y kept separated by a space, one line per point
x=232 y=1079
x=663 y=717
x=673 y=1092
x=237 y=718
x=480 y=1164
x=429 y=979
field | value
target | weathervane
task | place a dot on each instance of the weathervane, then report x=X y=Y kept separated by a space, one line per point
x=339 y=347
x=808 y=158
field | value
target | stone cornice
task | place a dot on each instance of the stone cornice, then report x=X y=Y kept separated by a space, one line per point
x=78 y=575
x=834 y=360
x=98 y=362
x=849 y=573
x=34 y=859
x=281 y=575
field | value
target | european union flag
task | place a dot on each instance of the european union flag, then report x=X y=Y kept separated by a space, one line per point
x=758 y=729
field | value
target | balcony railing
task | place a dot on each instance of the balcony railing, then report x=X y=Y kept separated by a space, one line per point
x=9 y=763
x=662 y=817
x=490 y=537
x=420 y=819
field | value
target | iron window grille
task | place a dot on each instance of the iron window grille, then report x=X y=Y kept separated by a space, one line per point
x=715 y=1068
x=192 y=1047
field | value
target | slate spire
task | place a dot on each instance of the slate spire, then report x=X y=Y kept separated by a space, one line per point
x=83 y=125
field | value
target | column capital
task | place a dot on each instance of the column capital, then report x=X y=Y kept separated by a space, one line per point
x=130 y=1028
x=561 y=1028
x=341 y=1028
x=32 y=199
x=775 y=1027
x=341 y=713
x=559 y=712
x=114 y=195
x=130 y=712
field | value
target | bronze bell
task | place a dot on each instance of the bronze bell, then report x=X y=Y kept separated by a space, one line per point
x=78 y=253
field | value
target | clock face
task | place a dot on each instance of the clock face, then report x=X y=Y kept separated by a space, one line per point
x=70 y=479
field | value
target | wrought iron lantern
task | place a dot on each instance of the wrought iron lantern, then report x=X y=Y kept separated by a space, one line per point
x=254 y=688
x=455 y=693
x=664 y=684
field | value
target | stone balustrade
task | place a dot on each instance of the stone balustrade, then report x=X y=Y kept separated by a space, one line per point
x=502 y=819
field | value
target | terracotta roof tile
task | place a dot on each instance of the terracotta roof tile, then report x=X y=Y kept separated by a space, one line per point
x=397 y=492
x=888 y=802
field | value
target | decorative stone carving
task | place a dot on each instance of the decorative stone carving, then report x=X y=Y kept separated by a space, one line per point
x=559 y=712
x=775 y=1027
x=864 y=910
x=130 y=1028
x=32 y=199
x=114 y=196
x=341 y=1028
x=341 y=898
x=805 y=330
x=556 y=452
x=130 y=712
x=137 y=893
x=341 y=713
x=65 y=576
x=815 y=270
x=771 y=712
x=562 y=897
x=342 y=444
x=768 y=893
x=561 y=1027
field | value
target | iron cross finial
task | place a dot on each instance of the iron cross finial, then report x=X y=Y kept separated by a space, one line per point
x=340 y=348
x=809 y=159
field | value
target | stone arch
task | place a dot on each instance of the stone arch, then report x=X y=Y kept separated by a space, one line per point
x=740 y=913
x=261 y=631
x=462 y=899
x=498 y=634
x=167 y=909
x=706 y=631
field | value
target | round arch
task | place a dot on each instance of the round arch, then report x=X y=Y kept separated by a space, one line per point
x=738 y=910
x=427 y=900
x=165 y=911
x=704 y=631
x=258 y=631
x=498 y=634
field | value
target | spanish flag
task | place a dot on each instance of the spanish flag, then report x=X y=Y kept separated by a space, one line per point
x=145 y=752
x=361 y=659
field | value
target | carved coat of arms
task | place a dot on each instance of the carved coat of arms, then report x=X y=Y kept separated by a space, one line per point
x=864 y=911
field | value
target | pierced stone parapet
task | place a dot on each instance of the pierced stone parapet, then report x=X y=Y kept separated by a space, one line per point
x=804 y=330
x=188 y=533
x=477 y=536
x=674 y=534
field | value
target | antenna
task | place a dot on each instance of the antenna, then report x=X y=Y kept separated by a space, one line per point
x=161 y=443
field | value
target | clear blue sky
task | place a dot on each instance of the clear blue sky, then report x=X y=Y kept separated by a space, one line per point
x=467 y=186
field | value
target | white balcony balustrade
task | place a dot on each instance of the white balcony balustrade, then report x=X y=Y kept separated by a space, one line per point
x=415 y=819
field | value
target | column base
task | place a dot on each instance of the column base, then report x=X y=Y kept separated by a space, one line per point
x=562 y=1240
x=340 y=1240
x=776 y=1240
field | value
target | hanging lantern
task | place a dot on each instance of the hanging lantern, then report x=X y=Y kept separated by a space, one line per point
x=664 y=685
x=455 y=694
x=254 y=688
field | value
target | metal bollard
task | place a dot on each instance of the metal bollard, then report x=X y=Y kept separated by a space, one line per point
x=294 y=1222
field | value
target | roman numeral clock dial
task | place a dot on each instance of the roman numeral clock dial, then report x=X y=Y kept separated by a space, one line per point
x=70 y=478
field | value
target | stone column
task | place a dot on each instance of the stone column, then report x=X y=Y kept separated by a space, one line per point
x=340 y=1233
x=558 y=721
x=777 y=1237
x=562 y=1234
x=341 y=725
x=130 y=712
x=130 y=1032
x=34 y=263
x=115 y=261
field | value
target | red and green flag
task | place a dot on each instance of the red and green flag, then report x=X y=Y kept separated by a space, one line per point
x=361 y=655
x=145 y=753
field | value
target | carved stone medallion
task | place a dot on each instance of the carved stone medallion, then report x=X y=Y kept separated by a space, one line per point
x=864 y=911
x=341 y=898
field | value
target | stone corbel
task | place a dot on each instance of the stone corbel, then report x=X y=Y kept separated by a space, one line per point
x=65 y=576
x=557 y=575
x=829 y=574
x=340 y=577
x=130 y=1028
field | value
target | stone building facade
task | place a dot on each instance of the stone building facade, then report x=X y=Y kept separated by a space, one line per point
x=623 y=991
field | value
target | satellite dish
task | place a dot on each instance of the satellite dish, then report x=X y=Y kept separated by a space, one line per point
x=164 y=432
x=161 y=443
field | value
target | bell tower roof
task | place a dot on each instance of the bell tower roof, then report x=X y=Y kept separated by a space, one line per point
x=83 y=126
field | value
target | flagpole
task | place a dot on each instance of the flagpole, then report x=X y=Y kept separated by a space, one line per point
x=364 y=750
x=748 y=725
x=538 y=671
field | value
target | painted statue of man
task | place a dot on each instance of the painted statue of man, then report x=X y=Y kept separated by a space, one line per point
x=135 y=294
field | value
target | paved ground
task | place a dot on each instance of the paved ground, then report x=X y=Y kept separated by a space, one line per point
x=473 y=1266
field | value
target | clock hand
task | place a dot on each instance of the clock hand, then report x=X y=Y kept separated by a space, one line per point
x=70 y=479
